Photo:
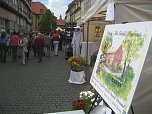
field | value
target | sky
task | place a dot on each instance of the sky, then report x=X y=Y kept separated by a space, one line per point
x=58 y=7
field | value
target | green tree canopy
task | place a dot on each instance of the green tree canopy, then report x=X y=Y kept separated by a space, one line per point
x=47 y=21
x=132 y=44
x=107 y=43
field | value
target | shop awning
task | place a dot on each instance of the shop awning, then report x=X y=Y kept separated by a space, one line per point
x=96 y=10
x=125 y=10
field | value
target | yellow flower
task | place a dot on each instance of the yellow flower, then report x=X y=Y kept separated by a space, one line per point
x=76 y=62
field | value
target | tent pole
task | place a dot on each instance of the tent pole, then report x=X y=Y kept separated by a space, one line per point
x=87 y=40
x=83 y=31
x=87 y=50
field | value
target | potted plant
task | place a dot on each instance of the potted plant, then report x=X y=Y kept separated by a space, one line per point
x=77 y=63
x=84 y=102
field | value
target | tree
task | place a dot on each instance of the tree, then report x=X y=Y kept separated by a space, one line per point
x=107 y=43
x=132 y=44
x=47 y=21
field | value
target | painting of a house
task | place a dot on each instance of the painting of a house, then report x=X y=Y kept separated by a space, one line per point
x=114 y=59
x=119 y=63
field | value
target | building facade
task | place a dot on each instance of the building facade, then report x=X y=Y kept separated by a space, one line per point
x=86 y=5
x=77 y=12
x=38 y=9
x=15 y=15
x=79 y=8
x=60 y=23
x=76 y=9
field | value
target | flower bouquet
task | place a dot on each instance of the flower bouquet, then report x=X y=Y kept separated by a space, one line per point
x=76 y=63
x=85 y=101
x=78 y=104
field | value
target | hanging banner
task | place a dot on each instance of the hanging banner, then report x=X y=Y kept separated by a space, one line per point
x=119 y=63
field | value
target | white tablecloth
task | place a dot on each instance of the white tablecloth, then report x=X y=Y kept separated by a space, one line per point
x=91 y=49
x=77 y=77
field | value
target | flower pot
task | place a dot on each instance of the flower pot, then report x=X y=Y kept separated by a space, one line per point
x=77 y=77
x=78 y=70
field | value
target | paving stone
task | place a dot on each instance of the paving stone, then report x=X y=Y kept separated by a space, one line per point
x=36 y=88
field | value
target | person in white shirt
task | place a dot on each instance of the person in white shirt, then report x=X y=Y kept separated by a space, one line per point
x=23 y=46
x=77 y=40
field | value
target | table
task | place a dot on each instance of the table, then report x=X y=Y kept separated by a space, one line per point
x=92 y=47
x=77 y=77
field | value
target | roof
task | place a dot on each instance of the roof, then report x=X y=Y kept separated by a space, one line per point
x=60 y=22
x=38 y=8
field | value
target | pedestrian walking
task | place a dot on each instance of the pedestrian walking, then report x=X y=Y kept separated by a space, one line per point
x=47 y=43
x=39 y=43
x=28 y=44
x=10 y=33
x=56 y=39
x=61 y=33
x=34 y=36
x=23 y=46
x=52 y=45
x=3 y=46
x=14 y=40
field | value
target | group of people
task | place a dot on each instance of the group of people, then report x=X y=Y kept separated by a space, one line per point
x=15 y=45
x=19 y=45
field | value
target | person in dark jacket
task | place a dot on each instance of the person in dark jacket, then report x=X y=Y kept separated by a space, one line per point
x=3 y=46
x=39 y=43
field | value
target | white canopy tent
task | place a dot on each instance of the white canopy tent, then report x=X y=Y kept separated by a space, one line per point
x=58 y=28
x=125 y=10
x=131 y=11
x=99 y=6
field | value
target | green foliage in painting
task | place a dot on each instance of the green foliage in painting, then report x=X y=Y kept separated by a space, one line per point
x=129 y=73
x=132 y=44
x=107 y=43
x=119 y=87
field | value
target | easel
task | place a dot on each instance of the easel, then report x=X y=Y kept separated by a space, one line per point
x=106 y=105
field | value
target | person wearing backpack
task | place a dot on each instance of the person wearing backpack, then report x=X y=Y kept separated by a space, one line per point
x=56 y=39
x=3 y=46
x=39 y=43
x=14 y=40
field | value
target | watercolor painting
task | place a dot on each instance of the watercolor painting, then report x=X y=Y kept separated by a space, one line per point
x=119 y=63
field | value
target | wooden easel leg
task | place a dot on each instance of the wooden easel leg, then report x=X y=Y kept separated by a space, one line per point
x=132 y=110
x=93 y=104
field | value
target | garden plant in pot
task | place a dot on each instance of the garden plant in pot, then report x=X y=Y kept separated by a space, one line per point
x=77 y=63
x=85 y=101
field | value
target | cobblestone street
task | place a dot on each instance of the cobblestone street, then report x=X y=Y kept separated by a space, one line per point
x=37 y=88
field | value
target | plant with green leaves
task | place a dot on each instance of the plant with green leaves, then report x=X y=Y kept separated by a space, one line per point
x=132 y=44
x=107 y=43
x=47 y=21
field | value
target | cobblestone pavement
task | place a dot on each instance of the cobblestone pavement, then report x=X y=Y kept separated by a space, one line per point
x=37 y=88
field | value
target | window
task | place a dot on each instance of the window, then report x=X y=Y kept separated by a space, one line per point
x=12 y=25
x=2 y=22
x=41 y=10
